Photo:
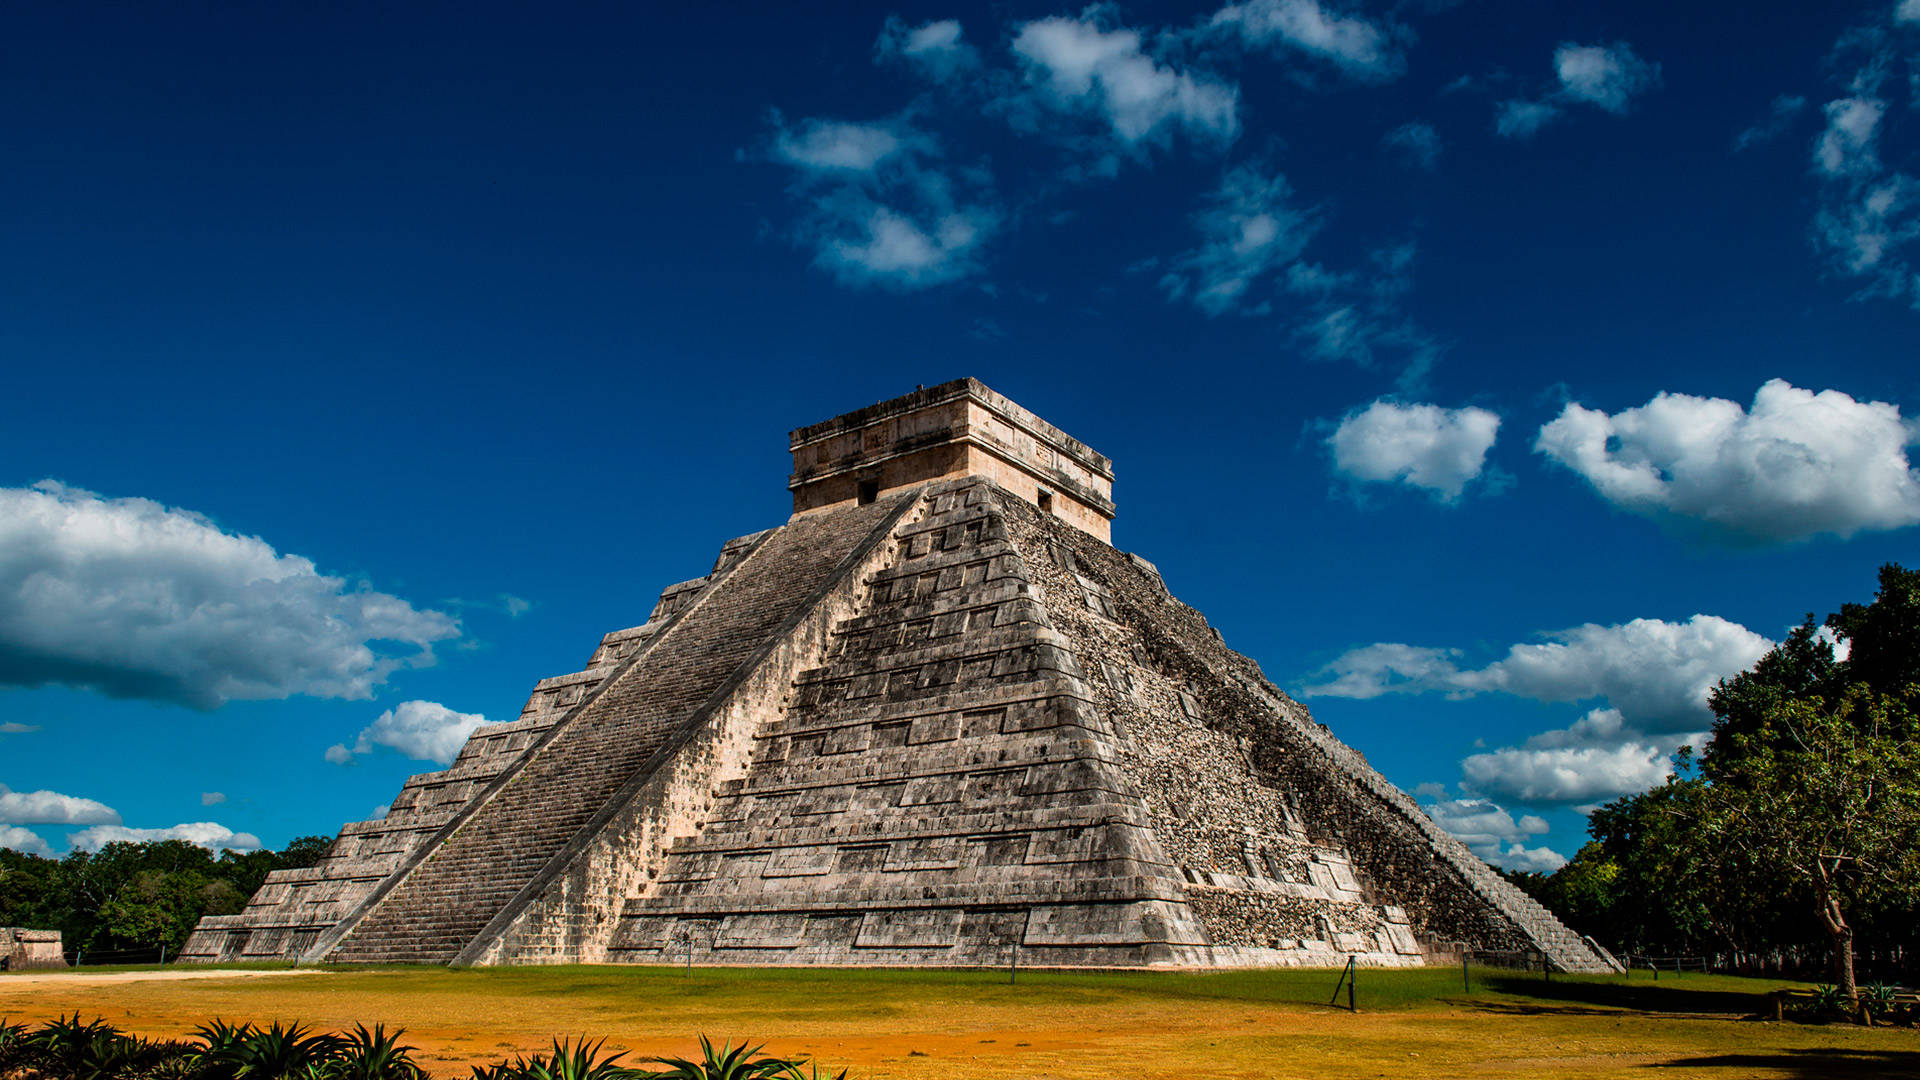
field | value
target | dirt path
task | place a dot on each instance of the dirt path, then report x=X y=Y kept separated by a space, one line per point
x=100 y=978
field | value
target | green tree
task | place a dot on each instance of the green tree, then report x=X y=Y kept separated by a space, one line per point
x=137 y=896
x=1827 y=794
x=1883 y=638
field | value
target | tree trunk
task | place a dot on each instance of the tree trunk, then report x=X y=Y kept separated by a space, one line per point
x=1841 y=935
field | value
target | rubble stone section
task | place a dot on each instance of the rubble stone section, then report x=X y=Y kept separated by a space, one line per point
x=938 y=791
x=1290 y=842
x=293 y=908
x=22 y=949
x=431 y=911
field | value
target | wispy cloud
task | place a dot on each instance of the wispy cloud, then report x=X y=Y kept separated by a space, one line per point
x=1249 y=229
x=936 y=49
x=1091 y=67
x=1417 y=143
x=1606 y=77
x=1356 y=45
x=1358 y=317
x=882 y=207
x=1781 y=114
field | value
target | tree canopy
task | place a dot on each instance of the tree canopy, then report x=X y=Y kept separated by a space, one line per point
x=137 y=896
x=1796 y=824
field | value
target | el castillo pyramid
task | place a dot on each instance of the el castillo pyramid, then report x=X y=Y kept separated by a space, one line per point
x=933 y=716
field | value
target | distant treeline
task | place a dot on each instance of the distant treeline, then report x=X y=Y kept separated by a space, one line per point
x=1793 y=838
x=137 y=896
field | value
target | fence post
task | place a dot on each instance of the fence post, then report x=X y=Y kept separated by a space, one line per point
x=163 y=956
x=1466 y=980
x=1013 y=964
x=1353 y=978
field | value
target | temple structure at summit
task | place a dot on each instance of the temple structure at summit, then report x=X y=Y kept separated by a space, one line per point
x=933 y=715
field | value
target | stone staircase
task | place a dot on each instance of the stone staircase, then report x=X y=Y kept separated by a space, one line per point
x=431 y=911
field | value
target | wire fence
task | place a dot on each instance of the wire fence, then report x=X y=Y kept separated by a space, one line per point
x=116 y=957
x=1673 y=964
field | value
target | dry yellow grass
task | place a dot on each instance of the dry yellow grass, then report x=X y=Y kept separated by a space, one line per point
x=920 y=1024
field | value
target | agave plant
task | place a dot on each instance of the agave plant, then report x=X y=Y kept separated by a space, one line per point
x=372 y=1055
x=730 y=1063
x=276 y=1052
x=1828 y=1003
x=13 y=1039
x=812 y=1072
x=95 y=1050
x=569 y=1061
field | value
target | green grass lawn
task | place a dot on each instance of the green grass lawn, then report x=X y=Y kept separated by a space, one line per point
x=927 y=1024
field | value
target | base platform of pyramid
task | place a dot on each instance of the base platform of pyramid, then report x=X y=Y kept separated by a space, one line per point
x=934 y=718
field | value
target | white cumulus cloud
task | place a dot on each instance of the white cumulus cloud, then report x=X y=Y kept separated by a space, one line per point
x=210 y=835
x=25 y=841
x=1355 y=44
x=425 y=730
x=1249 y=229
x=1080 y=65
x=52 y=808
x=139 y=600
x=1656 y=673
x=936 y=48
x=1436 y=449
x=1653 y=676
x=1568 y=774
x=1794 y=466
x=1491 y=832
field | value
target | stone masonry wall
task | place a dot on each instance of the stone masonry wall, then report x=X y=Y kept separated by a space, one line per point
x=937 y=791
x=293 y=908
x=437 y=908
x=1266 y=887
x=577 y=905
x=1300 y=796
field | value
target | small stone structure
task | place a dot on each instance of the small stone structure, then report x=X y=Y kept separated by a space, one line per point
x=21 y=949
x=933 y=715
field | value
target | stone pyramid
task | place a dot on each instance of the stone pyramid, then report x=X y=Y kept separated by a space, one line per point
x=933 y=717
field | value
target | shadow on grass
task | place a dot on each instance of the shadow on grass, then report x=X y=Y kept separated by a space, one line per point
x=1637 y=996
x=1812 y=1063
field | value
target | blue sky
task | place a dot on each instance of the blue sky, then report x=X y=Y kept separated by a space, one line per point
x=1496 y=374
